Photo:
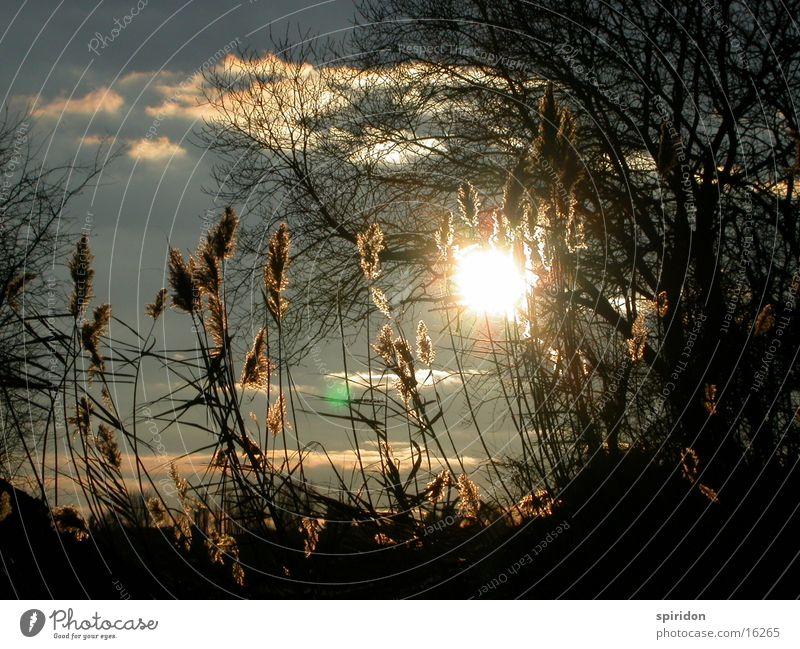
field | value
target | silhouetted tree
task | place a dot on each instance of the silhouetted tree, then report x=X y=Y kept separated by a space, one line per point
x=33 y=198
x=680 y=182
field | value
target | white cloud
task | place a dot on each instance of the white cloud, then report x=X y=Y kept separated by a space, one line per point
x=102 y=100
x=155 y=150
x=425 y=378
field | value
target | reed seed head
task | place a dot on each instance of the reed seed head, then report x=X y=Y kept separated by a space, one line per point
x=107 y=446
x=182 y=533
x=384 y=347
x=207 y=275
x=710 y=400
x=469 y=204
x=469 y=502
x=5 y=506
x=181 y=282
x=502 y=234
x=275 y=272
x=157 y=511
x=156 y=307
x=91 y=333
x=69 y=521
x=709 y=493
x=765 y=321
x=105 y=396
x=690 y=464
x=380 y=301
x=82 y=274
x=311 y=528
x=637 y=343
x=83 y=418
x=445 y=236
x=217 y=325
x=16 y=287
x=256 y=369
x=437 y=488
x=370 y=245
x=277 y=416
x=181 y=484
x=537 y=504
x=237 y=573
x=425 y=351
x=662 y=304
x=221 y=546
x=406 y=376
x=221 y=238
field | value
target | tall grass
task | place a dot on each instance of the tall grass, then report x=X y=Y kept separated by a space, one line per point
x=555 y=393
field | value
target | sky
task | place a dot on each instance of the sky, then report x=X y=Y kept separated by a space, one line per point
x=129 y=71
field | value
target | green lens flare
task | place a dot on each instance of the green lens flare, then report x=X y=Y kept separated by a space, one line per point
x=336 y=394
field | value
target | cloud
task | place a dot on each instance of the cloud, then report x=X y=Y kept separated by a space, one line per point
x=265 y=98
x=196 y=465
x=425 y=378
x=181 y=107
x=155 y=150
x=398 y=152
x=299 y=388
x=94 y=140
x=198 y=468
x=185 y=98
x=137 y=78
x=102 y=100
x=348 y=460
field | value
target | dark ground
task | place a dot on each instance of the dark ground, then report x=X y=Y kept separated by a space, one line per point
x=642 y=533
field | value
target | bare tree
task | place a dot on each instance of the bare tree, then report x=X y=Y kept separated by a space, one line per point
x=684 y=143
x=687 y=133
x=33 y=199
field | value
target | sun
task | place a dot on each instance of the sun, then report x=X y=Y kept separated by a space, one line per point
x=489 y=281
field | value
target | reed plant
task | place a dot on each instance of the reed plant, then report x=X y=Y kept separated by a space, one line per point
x=253 y=496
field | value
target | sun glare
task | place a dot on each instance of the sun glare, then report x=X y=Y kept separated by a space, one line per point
x=489 y=281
